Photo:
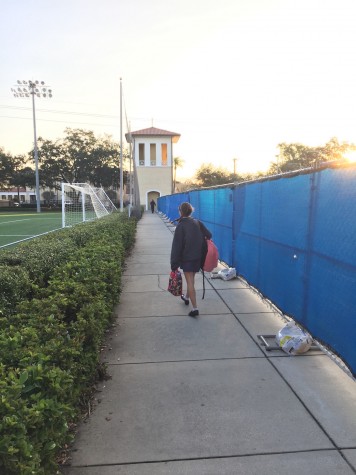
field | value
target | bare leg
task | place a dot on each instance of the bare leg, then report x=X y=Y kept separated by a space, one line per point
x=189 y=277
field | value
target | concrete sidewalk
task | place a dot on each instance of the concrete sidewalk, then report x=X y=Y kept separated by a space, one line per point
x=193 y=396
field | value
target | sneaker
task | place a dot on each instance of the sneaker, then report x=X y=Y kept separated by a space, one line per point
x=193 y=313
x=185 y=300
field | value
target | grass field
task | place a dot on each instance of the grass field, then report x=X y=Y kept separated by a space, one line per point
x=19 y=226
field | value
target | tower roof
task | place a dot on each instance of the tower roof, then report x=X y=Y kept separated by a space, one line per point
x=152 y=131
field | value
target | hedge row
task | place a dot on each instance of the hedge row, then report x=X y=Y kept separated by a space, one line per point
x=57 y=295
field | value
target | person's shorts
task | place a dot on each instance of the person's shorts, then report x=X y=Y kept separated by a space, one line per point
x=191 y=266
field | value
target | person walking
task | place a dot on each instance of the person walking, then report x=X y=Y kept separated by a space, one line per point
x=153 y=204
x=188 y=251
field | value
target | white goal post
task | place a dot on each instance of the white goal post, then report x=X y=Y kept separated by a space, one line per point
x=82 y=202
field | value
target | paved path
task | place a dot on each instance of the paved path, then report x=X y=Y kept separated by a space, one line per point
x=193 y=396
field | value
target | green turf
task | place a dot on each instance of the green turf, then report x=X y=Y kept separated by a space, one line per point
x=17 y=226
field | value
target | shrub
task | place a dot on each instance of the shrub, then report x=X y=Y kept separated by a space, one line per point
x=40 y=256
x=50 y=346
x=15 y=286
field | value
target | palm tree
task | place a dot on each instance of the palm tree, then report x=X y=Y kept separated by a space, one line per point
x=177 y=163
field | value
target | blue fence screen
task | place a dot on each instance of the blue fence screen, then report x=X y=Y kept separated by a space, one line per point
x=294 y=239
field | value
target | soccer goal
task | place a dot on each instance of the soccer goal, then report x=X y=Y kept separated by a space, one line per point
x=82 y=202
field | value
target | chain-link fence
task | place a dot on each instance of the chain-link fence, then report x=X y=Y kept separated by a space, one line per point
x=294 y=239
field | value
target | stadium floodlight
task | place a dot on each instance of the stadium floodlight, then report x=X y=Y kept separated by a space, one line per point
x=38 y=89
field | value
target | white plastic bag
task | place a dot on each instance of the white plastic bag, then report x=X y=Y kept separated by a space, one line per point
x=293 y=340
x=227 y=274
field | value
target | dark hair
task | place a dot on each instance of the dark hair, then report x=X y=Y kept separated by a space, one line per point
x=186 y=209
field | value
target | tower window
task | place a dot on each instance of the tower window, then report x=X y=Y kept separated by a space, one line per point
x=141 y=154
x=153 y=154
x=164 y=154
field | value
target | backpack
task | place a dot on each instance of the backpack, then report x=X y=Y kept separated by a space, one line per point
x=209 y=255
x=212 y=256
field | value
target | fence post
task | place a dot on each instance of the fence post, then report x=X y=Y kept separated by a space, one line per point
x=315 y=178
x=233 y=226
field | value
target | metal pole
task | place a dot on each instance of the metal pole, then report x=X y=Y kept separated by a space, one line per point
x=172 y=169
x=235 y=160
x=63 y=207
x=36 y=154
x=130 y=175
x=83 y=207
x=121 y=159
x=24 y=89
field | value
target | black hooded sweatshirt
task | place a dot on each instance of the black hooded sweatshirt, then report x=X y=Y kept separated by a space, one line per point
x=188 y=241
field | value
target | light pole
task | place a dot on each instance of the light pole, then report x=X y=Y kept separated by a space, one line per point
x=121 y=156
x=39 y=89
x=235 y=160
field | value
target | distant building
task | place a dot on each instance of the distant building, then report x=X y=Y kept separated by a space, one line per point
x=14 y=195
x=19 y=195
x=153 y=156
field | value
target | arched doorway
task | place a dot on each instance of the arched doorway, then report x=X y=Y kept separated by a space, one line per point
x=152 y=195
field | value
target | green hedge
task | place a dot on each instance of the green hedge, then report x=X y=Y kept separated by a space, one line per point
x=56 y=301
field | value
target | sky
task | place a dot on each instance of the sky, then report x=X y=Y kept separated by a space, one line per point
x=234 y=78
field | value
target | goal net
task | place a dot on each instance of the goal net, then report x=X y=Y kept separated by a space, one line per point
x=82 y=202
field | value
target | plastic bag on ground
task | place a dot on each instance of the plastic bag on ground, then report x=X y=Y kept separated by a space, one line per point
x=227 y=274
x=293 y=340
x=224 y=274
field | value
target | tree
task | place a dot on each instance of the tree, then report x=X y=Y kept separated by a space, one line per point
x=49 y=196
x=52 y=161
x=295 y=156
x=14 y=173
x=333 y=150
x=80 y=158
x=22 y=177
x=208 y=175
x=7 y=167
x=177 y=163
x=106 y=172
